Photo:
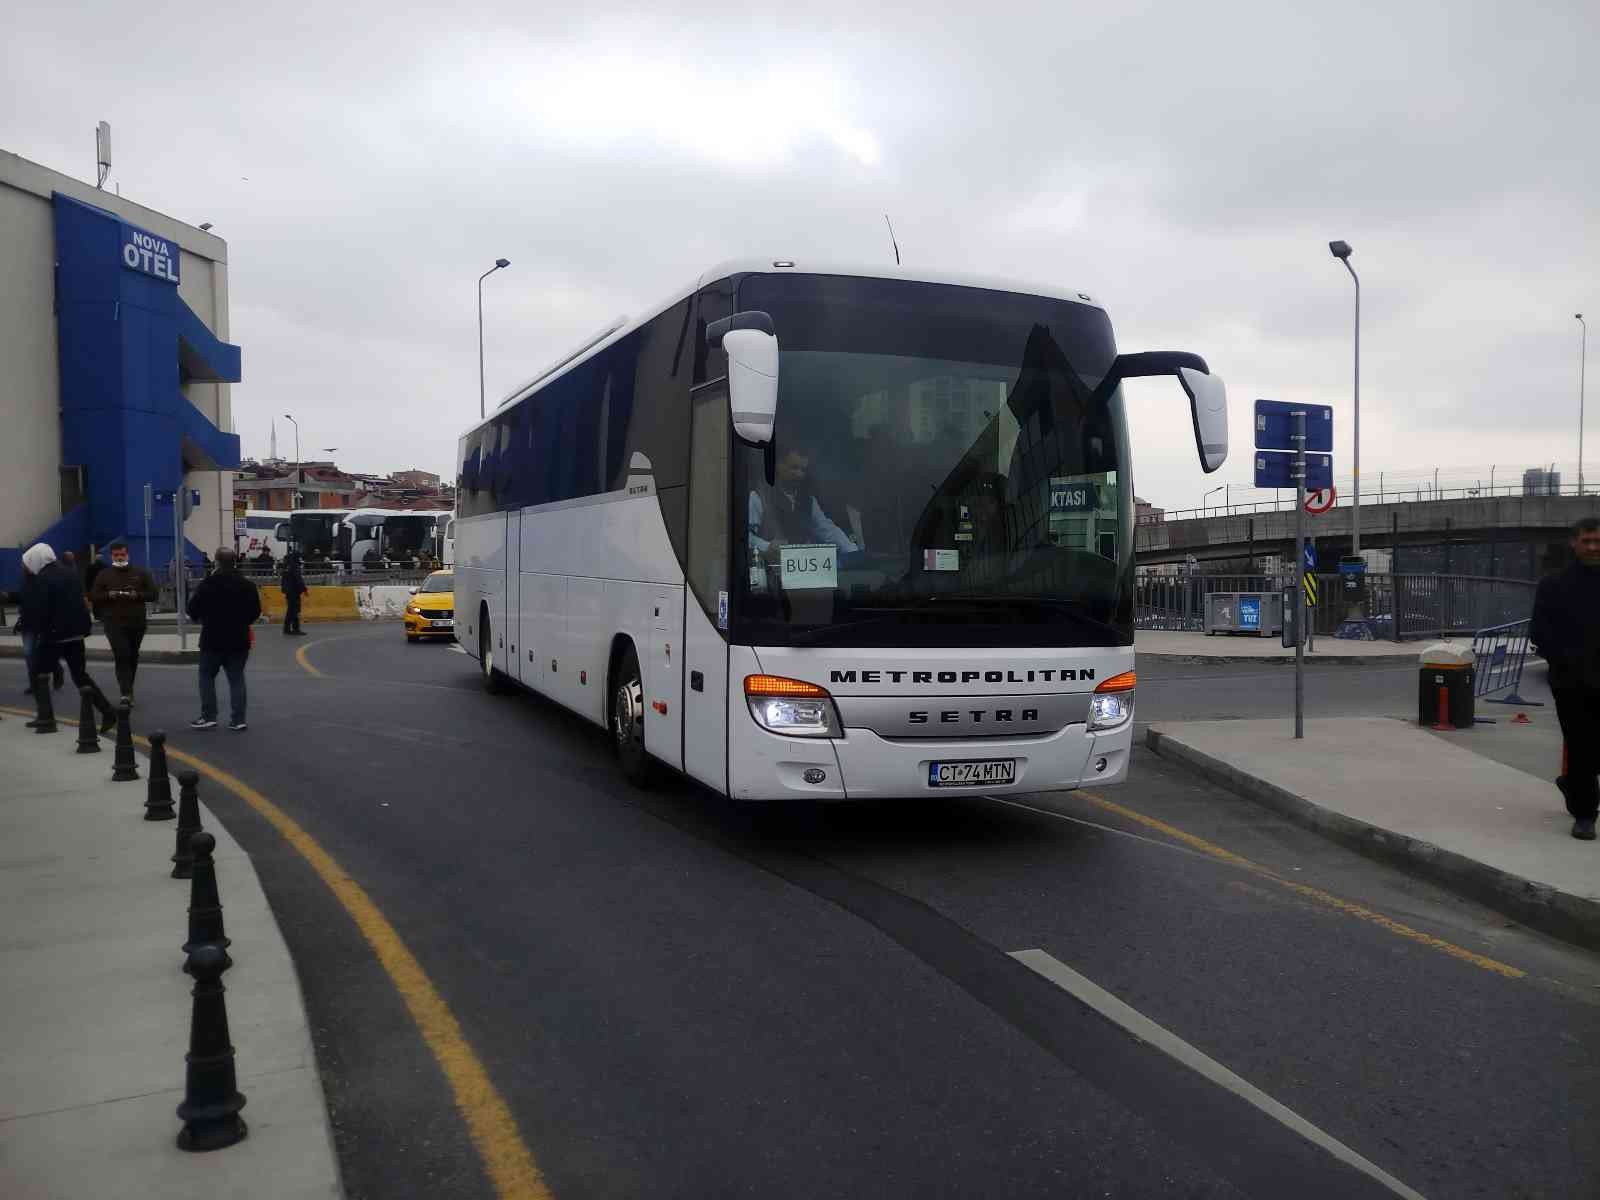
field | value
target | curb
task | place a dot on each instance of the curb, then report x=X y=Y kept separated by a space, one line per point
x=1539 y=906
x=97 y=654
x=1277 y=660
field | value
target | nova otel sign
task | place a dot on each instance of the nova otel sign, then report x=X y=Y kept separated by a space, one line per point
x=149 y=254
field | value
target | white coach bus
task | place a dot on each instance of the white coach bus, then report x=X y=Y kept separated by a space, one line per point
x=825 y=533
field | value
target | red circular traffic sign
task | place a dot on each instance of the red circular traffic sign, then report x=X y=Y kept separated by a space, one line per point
x=1321 y=500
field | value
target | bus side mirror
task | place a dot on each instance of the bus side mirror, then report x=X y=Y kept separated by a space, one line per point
x=752 y=349
x=281 y=532
x=752 y=383
x=1208 y=405
x=1208 y=399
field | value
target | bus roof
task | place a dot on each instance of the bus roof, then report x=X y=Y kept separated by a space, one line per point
x=622 y=326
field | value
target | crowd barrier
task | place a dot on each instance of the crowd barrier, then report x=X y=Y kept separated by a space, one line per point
x=1500 y=652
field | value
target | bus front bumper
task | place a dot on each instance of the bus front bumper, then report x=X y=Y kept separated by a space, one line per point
x=863 y=765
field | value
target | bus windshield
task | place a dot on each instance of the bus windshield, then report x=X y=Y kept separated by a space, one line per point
x=941 y=459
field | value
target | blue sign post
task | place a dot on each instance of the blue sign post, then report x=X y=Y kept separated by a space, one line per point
x=1294 y=444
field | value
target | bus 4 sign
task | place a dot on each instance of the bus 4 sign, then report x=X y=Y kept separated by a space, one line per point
x=808 y=567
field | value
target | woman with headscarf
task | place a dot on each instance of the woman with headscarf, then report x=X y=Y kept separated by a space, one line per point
x=57 y=611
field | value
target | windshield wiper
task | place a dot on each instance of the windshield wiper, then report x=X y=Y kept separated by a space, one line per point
x=951 y=605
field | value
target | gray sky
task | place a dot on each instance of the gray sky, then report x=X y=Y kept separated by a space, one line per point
x=1185 y=164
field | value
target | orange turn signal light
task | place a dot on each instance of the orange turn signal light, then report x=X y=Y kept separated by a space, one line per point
x=1119 y=683
x=777 y=685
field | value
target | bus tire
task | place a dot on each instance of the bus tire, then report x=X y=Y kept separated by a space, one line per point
x=627 y=721
x=494 y=681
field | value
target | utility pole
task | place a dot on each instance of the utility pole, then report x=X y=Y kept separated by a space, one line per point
x=1583 y=362
x=1299 y=418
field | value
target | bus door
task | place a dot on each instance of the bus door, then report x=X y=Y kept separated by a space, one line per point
x=705 y=606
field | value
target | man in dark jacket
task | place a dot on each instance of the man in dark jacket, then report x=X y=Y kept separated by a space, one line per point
x=1566 y=630
x=57 y=612
x=226 y=604
x=294 y=587
x=119 y=595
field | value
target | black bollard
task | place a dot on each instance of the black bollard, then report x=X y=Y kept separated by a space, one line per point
x=158 y=796
x=205 y=906
x=124 y=767
x=211 y=1099
x=188 y=823
x=88 y=739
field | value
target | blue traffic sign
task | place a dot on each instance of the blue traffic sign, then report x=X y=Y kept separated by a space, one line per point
x=1311 y=557
x=1276 y=470
x=1275 y=426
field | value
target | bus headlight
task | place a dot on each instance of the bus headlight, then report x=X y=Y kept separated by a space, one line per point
x=1112 y=703
x=791 y=707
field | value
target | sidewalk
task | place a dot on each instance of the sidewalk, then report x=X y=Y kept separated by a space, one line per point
x=1161 y=646
x=1476 y=811
x=97 y=1007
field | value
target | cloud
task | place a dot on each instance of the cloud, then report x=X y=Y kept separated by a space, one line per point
x=1185 y=165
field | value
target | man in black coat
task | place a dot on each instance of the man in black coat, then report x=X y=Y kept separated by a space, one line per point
x=226 y=604
x=56 y=611
x=1566 y=630
x=294 y=587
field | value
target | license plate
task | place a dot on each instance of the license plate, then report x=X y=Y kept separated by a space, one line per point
x=441 y=624
x=972 y=774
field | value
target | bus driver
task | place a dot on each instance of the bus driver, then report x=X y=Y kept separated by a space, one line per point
x=789 y=511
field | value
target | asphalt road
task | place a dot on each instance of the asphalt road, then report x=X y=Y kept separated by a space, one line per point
x=682 y=997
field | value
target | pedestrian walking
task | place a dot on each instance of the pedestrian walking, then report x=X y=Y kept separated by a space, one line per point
x=1566 y=630
x=57 y=612
x=119 y=595
x=226 y=604
x=294 y=587
x=30 y=641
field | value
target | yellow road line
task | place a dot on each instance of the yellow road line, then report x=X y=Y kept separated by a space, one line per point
x=1349 y=908
x=300 y=657
x=506 y=1157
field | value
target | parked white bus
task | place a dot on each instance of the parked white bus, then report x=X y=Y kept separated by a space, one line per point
x=351 y=535
x=825 y=533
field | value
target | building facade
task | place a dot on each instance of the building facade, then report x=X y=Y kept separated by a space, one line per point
x=114 y=336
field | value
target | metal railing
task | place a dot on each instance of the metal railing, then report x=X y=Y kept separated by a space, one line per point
x=1400 y=607
x=1409 y=495
x=1499 y=653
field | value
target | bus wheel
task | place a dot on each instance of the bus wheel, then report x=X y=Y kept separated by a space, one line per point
x=493 y=680
x=627 y=722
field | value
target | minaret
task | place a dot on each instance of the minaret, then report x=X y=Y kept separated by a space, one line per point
x=272 y=453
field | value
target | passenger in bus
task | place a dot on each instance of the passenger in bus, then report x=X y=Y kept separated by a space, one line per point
x=789 y=512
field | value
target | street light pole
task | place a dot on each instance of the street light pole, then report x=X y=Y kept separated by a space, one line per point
x=1583 y=362
x=499 y=264
x=299 y=478
x=1341 y=251
x=1208 y=496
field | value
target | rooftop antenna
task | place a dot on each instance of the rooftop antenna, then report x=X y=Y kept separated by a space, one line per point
x=892 y=242
x=102 y=152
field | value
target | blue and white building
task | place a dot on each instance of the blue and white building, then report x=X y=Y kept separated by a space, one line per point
x=117 y=365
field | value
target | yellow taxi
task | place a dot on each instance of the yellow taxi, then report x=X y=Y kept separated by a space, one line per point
x=431 y=611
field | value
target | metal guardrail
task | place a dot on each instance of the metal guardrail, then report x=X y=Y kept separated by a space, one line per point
x=1401 y=607
x=1500 y=653
x=1411 y=495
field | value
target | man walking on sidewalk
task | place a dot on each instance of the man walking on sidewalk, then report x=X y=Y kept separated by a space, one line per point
x=294 y=587
x=1566 y=629
x=226 y=604
x=57 y=611
x=119 y=595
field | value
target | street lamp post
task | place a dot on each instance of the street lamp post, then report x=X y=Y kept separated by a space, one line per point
x=298 y=477
x=499 y=264
x=1208 y=496
x=1583 y=362
x=1341 y=251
